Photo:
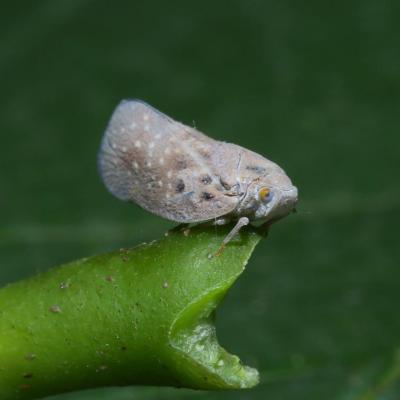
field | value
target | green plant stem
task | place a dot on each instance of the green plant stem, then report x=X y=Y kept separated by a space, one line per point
x=135 y=316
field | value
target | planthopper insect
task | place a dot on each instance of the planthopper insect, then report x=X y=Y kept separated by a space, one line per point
x=179 y=173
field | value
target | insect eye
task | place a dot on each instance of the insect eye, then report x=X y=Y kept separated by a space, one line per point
x=264 y=194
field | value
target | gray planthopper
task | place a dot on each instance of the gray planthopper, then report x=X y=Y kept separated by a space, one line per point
x=179 y=173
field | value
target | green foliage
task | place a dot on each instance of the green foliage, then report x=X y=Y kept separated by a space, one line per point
x=141 y=316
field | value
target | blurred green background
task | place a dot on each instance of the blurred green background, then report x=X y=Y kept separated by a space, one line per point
x=312 y=85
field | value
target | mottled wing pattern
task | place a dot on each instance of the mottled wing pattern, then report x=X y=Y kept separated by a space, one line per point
x=166 y=167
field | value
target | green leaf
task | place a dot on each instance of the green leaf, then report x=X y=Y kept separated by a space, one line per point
x=140 y=316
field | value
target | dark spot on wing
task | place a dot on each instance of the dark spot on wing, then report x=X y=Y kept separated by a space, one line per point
x=181 y=164
x=205 y=179
x=205 y=154
x=256 y=169
x=180 y=186
x=224 y=184
x=207 y=196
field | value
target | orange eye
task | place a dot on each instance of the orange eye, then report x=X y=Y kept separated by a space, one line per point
x=263 y=193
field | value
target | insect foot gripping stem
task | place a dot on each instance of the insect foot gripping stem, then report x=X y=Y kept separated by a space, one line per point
x=145 y=317
x=243 y=221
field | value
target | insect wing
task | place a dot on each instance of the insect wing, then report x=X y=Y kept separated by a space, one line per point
x=162 y=165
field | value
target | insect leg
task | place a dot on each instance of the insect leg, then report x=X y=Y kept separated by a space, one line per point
x=176 y=229
x=243 y=221
x=221 y=221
